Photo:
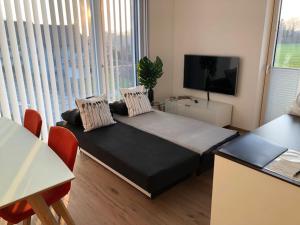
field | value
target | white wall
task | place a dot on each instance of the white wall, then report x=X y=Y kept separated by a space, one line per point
x=161 y=43
x=212 y=27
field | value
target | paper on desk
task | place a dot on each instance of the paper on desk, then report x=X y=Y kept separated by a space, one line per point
x=287 y=165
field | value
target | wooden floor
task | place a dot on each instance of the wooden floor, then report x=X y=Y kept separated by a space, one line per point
x=99 y=197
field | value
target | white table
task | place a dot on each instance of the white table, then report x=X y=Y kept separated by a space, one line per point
x=27 y=168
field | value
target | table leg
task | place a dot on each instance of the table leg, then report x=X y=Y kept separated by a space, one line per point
x=61 y=210
x=41 y=209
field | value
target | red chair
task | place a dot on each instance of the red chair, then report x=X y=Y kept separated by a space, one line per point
x=64 y=144
x=33 y=121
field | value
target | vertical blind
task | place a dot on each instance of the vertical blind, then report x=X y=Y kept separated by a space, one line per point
x=46 y=58
x=118 y=41
x=52 y=51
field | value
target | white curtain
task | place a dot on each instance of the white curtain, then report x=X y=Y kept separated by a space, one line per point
x=47 y=57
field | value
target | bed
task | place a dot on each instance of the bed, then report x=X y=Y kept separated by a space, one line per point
x=149 y=151
x=189 y=133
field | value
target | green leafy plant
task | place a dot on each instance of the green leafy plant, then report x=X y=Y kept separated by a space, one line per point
x=149 y=72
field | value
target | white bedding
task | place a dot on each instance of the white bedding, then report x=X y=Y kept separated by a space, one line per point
x=189 y=133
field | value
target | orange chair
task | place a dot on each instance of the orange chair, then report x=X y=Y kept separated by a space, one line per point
x=64 y=144
x=33 y=122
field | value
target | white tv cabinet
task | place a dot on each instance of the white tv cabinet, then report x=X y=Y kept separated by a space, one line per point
x=217 y=113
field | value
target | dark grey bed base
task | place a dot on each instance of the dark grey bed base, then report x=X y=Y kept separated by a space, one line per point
x=149 y=163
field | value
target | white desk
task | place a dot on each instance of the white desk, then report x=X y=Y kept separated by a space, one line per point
x=27 y=168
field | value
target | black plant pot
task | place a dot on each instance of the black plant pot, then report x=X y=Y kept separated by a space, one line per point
x=151 y=95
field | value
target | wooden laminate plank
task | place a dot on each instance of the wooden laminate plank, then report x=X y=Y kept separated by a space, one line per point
x=99 y=197
x=27 y=221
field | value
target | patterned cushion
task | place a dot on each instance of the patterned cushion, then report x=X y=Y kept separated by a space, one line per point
x=94 y=112
x=136 y=100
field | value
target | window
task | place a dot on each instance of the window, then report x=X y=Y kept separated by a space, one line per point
x=287 y=54
x=52 y=51
x=122 y=42
x=283 y=76
x=119 y=49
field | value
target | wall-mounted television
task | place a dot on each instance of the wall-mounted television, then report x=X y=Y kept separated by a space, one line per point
x=211 y=73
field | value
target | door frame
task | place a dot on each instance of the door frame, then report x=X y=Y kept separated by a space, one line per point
x=270 y=57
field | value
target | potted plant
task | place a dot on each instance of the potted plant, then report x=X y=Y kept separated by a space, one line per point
x=148 y=73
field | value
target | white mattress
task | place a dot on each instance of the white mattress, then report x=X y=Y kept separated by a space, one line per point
x=189 y=133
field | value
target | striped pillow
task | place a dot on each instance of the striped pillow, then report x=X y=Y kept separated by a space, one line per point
x=136 y=100
x=94 y=112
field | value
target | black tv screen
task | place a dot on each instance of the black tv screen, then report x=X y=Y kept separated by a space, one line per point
x=211 y=73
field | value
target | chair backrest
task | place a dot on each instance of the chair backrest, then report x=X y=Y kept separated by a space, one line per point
x=33 y=121
x=64 y=144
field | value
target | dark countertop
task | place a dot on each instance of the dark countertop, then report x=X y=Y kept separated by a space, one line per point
x=283 y=132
